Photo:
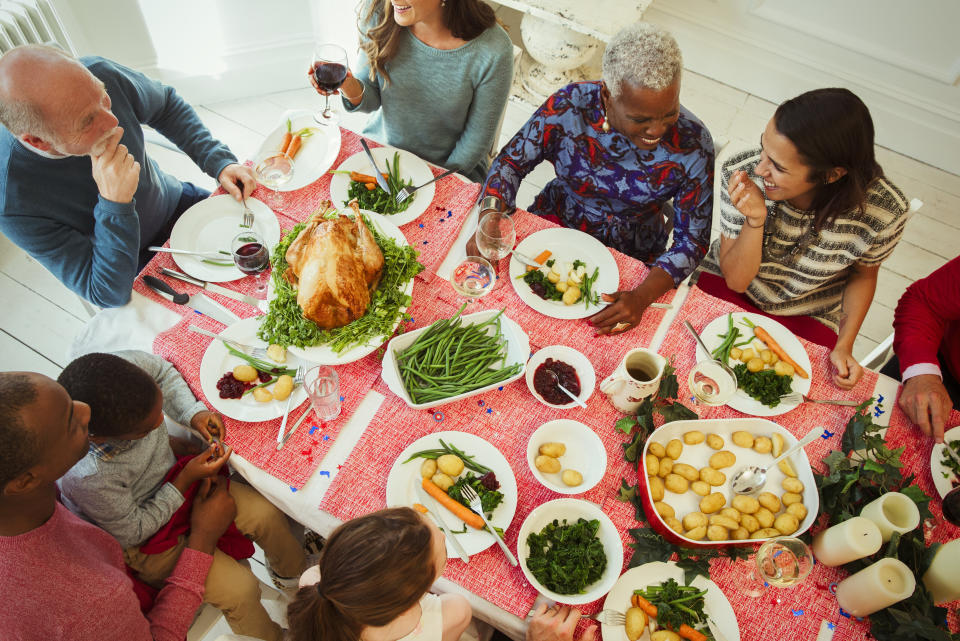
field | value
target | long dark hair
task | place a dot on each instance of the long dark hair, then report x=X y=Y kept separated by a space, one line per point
x=373 y=569
x=832 y=128
x=466 y=19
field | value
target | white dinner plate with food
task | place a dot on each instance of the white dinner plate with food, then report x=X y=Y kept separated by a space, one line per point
x=412 y=169
x=210 y=226
x=937 y=466
x=715 y=603
x=323 y=354
x=566 y=246
x=742 y=401
x=317 y=153
x=404 y=478
x=217 y=361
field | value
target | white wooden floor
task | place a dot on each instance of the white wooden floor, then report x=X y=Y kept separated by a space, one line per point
x=41 y=317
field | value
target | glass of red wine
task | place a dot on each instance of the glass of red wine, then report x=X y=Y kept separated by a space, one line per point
x=329 y=66
x=250 y=255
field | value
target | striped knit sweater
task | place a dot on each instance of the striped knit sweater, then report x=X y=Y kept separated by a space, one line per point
x=801 y=273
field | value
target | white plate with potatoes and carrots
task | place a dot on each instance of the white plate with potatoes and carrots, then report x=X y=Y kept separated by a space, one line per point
x=406 y=475
x=764 y=357
x=316 y=153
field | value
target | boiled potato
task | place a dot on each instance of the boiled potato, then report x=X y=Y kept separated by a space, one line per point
x=731 y=513
x=635 y=623
x=747 y=354
x=245 y=373
x=451 y=465
x=700 y=487
x=676 y=483
x=656 y=488
x=696 y=533
x=262 y=395
x=657 y=449
x=766 y=533
x=664 y=509
x=789 y=498
x=665 y=635
x=652 y=463
x=712 y=503
x=755 y=365
x=547 y=464
x=799 y=510
x=688 y=472
x=283 y=387
x=764 y=517
x=786 y=524
x=735 y=353
x=717 y=533
x=787 y=467
x=769 y=501
x=428 y=468
x=277 y=353
x=783 y=368
x=746 y=504
x=556 y=450
x=666 y=466
x=674 y=524
x=743 y=439
x=723 y=521
x=739 y=534
x=763 y=445
x=766 y=356
x=712 y=476
x=553 y=277
x=674 y=448
x=749 y=522
x=443 y=481
x=778 y=444
x=562 y=286
x=722 y=459
x=571 y=478
x=571 y=296
x=715 y=441
x=693 y=437
x=694 y=520
x=791 y=484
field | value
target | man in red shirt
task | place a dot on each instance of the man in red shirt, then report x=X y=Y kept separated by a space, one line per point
x=926 y=340
x=64 y=578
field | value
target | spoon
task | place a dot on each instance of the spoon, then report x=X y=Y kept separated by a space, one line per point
x=726 y=368
x=556 y=380
x=751 y=478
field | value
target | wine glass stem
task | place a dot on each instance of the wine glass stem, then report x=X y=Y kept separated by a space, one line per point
x=326 y=105
x=261 y=285
x=277 y=199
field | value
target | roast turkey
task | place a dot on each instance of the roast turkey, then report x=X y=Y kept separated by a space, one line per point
x=335 y=265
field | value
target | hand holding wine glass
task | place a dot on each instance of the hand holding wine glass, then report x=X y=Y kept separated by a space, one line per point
x=328 y=71
x=251 y=256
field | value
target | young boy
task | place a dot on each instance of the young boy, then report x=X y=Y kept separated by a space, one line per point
x=119 y=484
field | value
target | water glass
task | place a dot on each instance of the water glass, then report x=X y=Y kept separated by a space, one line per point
x=323 y=389
x=473 y=277
x=781 y=562
x=495 y=236
x=274 y=169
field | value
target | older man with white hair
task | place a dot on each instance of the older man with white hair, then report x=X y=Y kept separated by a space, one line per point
x=77 y=189
x=622 y=148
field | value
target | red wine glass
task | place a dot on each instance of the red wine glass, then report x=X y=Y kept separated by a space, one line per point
x=329 y=67
x=251 y=256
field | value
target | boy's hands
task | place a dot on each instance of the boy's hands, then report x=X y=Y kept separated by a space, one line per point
x=209 y=425
x=213 y=512
x=205 y=465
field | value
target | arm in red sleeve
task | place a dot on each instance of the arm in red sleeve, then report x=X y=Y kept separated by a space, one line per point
x=923 y=313
x=177 y=603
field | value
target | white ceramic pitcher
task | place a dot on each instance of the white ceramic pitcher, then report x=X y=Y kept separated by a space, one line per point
x=636 y=377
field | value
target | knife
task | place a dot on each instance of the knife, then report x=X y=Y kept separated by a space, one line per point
x=211 y=287
x=380 y=179
x=199 y=302
x=425 y=501
x=293 y=429
x=523 y=259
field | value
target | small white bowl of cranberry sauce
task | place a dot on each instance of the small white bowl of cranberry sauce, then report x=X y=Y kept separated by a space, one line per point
x=573 y=369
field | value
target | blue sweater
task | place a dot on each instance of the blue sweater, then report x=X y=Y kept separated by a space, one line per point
x=51 y=207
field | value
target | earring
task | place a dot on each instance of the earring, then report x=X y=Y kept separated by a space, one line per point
x=605 y=126
x=443 y=3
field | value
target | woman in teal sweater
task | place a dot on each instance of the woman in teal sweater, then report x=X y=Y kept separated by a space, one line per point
x=436 y=74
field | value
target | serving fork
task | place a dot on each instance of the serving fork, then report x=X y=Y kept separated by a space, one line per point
x=477 y=506
x=406 y=192
x=297 y=380
x=249 y=350
x=797 y=397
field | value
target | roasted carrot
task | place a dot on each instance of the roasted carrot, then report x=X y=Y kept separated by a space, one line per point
x=689 y=633
x=460 y=511
x=541 y=258
x=419 y=507
x=356 y=176
x=644 y=605
x=294 y=146
x=287 y=137
x=774 y=346
x=370 y=186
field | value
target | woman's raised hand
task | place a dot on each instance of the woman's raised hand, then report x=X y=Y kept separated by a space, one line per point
x=747 y=198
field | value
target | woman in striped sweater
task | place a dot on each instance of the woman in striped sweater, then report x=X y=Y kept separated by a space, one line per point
x=806 y=221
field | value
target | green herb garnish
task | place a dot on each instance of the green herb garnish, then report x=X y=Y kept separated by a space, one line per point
x=567 y=558
x=489 y=499
x=377 y=199
x=766 y=385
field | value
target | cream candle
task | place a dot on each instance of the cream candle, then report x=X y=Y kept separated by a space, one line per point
x=943 y=577
x=875 y=587
x=892 y=512
x=853 y=539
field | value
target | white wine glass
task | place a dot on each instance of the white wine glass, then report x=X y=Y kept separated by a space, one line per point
x=274 y=169
x=329 y=69
x=495 y=236
x=780 y=562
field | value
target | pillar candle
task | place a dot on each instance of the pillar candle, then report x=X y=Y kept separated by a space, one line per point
x=876 y=587
x=853 y=539
x=892 y=512
x=943 y=577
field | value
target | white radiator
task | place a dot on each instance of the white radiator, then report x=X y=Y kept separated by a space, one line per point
x=31 y=21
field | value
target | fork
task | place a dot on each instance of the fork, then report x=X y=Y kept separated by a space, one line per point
x=797 y=397
x=297 y=380
x=476 y=505
x=406 y=192
x=249 y=350
x=247 y=214
x=609 y=617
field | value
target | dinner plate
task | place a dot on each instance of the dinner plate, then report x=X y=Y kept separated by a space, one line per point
x=316 y=156
x=937 y=468
x=412 y=169
x=742 y=401
x=566 y=245
x=217 y=361
x=405 y=477
x=210 y=225
x=715 y=603
x=323 y=354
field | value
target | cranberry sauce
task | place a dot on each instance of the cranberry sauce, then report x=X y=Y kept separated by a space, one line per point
x=546 y=386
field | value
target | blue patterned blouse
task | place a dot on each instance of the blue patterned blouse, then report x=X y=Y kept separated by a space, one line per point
x=608 y=187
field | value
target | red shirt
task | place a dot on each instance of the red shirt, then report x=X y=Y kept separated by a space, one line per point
x=66 y=580
x=927 y=321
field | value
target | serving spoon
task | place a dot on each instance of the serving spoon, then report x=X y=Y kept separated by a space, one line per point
x=556 y=380
x=751 y=478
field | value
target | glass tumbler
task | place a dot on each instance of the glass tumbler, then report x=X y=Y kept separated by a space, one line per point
x=323 y=389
